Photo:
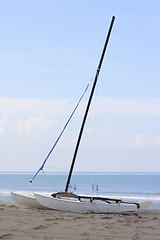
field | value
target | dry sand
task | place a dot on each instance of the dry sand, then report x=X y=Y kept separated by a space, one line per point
x=18 y=222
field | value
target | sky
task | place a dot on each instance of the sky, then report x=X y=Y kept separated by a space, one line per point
x=49 y=52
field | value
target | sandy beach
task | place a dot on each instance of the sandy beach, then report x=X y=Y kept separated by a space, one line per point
x=18 y=222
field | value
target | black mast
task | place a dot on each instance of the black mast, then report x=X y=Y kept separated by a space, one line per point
x=88 y=105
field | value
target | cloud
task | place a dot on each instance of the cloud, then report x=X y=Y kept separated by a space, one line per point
x=28 y=116
x=29 y=127
x=131 y=106
x=142 y=140
x=63 y=107
x=31 y=117
x=3 y=122
x=33 y=124
x=35 y=107
x=156 y=141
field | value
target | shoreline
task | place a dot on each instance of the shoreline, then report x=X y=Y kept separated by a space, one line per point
x=19 y=222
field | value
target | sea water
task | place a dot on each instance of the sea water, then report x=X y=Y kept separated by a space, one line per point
x=135 y=187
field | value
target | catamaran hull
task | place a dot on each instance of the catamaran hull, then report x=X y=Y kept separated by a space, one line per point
x=85 y=206
x=27 y=201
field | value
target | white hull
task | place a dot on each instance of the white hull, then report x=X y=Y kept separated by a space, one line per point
x=83 y=206
x=28 y=201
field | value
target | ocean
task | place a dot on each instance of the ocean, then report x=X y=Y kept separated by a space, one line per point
x=137 y=187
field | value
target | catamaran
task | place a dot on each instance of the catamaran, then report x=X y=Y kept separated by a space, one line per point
x=69 y=201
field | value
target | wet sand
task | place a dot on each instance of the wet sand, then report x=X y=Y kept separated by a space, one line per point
x=18 y=222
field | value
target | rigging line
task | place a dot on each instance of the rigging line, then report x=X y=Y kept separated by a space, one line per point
x=49 y=180
x=64 y=169
x=42 y=166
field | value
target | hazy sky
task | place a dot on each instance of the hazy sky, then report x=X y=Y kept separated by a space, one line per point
x=49 y=51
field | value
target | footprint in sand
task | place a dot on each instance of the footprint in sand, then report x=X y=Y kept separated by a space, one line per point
x=6 y=236
x=40 y=227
